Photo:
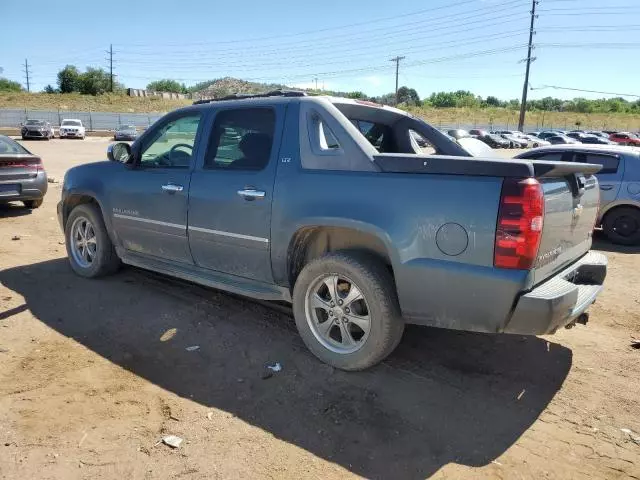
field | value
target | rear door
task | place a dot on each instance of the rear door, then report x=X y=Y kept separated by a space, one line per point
x=610 y=177
x=232 y=190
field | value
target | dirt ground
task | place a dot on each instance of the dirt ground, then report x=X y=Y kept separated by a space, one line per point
x=94 y=373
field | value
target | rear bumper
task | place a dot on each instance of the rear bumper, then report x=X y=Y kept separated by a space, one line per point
x=24 y=189
x=561 y=299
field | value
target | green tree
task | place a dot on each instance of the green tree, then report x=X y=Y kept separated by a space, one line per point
x=7 y=85
x=95 y=81
x=357 y=95
x=49 y=89
x=167 y=85
x=408 y=96
x=443 y=99
x=69 y=79
x=492 y=101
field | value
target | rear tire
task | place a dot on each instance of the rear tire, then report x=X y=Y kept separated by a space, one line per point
x=622 y=226
x=98 y=257
x=31 y=204
x=377 y=302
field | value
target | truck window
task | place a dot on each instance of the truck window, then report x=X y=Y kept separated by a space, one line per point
x=379 y=135
x=328 y=140
x=609 y=163
x=171 y=146
x=241 y=139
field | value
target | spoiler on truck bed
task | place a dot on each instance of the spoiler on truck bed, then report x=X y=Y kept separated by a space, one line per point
x=444 y=165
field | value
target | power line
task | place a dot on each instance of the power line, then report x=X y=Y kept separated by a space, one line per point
x=177 y=64
x=348 y=39
x=555 y=87
x=328 y=29
x=525 y=88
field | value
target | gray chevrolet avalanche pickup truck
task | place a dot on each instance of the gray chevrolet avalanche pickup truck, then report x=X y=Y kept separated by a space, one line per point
x=332 y=205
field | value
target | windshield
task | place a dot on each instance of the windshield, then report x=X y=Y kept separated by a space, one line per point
x=126 y=127
x=34 y=122
x=71 y=123
x=8 y=146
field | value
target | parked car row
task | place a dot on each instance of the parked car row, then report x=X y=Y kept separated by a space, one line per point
x=69 y=128
x=517 y=139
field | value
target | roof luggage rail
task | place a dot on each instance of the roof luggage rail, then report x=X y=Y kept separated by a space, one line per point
x=242 y=96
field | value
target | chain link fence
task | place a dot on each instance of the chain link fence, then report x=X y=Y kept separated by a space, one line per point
x=12 y=118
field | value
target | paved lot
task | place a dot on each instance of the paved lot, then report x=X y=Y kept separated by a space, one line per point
x=94 y=373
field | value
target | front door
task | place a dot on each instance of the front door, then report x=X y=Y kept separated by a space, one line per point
x=149 y=201
x=231 y=192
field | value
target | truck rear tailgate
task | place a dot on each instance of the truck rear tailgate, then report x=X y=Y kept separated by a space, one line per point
x=571 y=207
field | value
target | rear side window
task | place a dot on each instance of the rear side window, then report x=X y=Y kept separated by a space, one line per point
x=379 y=135
x=8 y=146
x=241 y=139
x=425 y=147
x=551 y=156
x=609 y=163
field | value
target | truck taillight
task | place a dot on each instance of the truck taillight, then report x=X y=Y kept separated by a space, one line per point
x=519 y=226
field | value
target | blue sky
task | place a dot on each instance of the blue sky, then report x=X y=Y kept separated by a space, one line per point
x=448 y=44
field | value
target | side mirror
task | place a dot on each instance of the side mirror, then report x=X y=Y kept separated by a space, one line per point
x=119 y=152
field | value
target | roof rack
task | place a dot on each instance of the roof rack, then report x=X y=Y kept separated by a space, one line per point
x=242 y=96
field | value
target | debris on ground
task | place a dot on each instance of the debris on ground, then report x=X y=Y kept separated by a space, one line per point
x=521 y=394
x=633 y=437
x=192 y=348
x=275 y=368
x=210 y=415
x=635 y=343
x=15 y=237
x=52 y=180
x=172 y=440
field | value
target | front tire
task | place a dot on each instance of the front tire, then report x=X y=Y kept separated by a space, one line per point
x=622 y=226
x=31 y=204
x=89 y=248
x=347 y=311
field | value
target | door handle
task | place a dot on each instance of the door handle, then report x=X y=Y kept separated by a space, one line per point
x=172 y=188
x=606 y=187
x=251 y=194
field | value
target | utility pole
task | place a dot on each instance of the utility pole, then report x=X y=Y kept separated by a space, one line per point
x=26 y=73
x=525 y=88
x=110 y=52
x=397 y=60
x=316 y=79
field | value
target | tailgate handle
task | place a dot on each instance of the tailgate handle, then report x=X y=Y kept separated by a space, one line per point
x=606 y=187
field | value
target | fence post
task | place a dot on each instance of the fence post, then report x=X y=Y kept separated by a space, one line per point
x=26 y=115
x=59 y=119
x=90 y=122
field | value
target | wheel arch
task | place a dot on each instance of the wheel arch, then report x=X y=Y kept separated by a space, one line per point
x=312 y=241
x=76 y=198
x=612 y=208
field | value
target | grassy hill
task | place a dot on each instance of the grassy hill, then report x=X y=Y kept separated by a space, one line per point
x=536 y=120
x=110 y=102
x=226 y=86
